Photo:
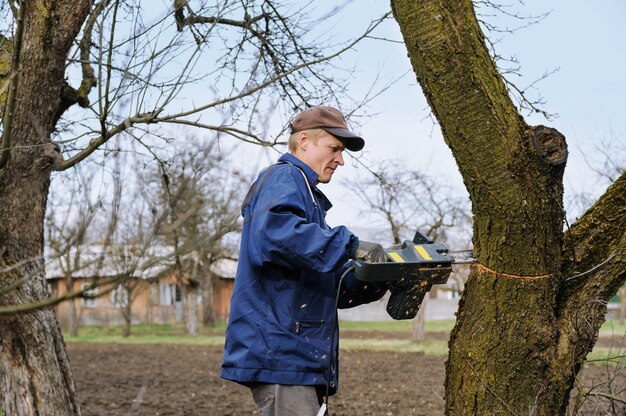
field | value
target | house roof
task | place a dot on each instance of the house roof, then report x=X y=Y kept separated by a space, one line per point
x=225 y=268
x=105 y=261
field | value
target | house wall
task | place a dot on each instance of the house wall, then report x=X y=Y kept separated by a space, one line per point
x=147 y=302
x=222 y=292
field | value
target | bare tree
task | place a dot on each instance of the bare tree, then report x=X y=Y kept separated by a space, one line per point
x=203 y=197
x=67 y=226
x=83 y=73
x=403 y=201
x=532 y=308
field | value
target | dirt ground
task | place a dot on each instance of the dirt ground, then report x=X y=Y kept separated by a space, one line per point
x=117 y=379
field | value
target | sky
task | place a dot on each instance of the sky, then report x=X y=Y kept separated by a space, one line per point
x=580 y=43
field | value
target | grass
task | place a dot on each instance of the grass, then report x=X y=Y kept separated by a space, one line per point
x=428 y=347
x=401 y=326
x=613 y=328
x=149 y=334
x=175 y=334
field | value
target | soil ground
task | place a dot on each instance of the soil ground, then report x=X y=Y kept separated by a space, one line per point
x=115 y=379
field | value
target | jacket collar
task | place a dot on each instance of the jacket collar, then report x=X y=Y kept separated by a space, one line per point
x=310 y=174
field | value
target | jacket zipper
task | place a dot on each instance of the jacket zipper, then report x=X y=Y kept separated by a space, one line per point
x=300 y=324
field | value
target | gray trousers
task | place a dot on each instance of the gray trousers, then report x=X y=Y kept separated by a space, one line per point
x=281 y=400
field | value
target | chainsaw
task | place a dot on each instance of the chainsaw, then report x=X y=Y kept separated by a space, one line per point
x=411 y=269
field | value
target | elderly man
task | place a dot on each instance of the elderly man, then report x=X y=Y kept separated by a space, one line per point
x=282 y=335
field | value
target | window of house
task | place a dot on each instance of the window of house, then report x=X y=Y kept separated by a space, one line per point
x=170 y=294
x=452 y=291
x=154 y=294
x=119 y=296
x=92 y=300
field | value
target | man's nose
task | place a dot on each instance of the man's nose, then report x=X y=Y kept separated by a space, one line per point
x=339 y=158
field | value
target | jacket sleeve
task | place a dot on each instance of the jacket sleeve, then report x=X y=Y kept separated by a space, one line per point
x=281 y=234
x=354 y=292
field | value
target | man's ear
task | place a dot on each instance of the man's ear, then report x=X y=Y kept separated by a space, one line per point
x=303 y=140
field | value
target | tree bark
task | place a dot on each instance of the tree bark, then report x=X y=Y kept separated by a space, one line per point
x=418 y=324
x=208 y=316
x=191 y=311
x=72 y=316
x=127 y=313
x=35 y=375
x=520 y=338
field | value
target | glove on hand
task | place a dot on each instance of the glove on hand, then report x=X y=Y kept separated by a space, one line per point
x=371 y=252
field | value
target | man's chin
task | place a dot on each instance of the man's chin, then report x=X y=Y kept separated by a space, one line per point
x=324 y=179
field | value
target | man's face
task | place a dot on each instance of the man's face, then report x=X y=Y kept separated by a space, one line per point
x=323 y=154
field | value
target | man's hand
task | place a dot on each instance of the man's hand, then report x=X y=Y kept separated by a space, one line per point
x=371 y=252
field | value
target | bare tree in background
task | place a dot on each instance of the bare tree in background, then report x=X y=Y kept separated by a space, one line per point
x=67 y=226
x=403 y=201
x=82 y=73
x=202 y=195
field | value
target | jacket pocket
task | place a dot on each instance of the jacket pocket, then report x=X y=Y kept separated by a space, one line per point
x=304 y=325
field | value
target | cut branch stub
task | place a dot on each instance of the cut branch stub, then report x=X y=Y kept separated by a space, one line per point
x=550 y=145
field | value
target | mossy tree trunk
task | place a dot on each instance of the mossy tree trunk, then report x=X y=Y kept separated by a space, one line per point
x=35 y=375
x=525 y=325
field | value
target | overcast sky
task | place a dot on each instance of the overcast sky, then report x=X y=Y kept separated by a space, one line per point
x=582 y=40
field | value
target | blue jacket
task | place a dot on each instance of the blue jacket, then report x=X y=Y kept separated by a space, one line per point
x=290 y=262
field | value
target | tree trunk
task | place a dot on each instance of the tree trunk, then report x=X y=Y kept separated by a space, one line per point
x=191 y=310
x=419 y=322
x=35 y=375
x=72 y=316
x=208 y=316
x=520 y=338
x=74 y=319
x=128 y=317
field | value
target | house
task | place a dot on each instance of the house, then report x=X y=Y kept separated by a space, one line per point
x=113 y=277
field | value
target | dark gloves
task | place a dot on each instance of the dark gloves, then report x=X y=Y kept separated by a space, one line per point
x=406 y=298
x=371 y=252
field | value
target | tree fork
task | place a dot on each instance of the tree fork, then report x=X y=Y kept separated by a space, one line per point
x=504 y=349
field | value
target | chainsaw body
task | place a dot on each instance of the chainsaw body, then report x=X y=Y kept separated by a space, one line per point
x=411 y=270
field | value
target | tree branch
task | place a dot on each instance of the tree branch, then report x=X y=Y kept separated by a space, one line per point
x=95 y=143
x=5 y=149
x=80 y=96
x=594 y=270
x=152 y=117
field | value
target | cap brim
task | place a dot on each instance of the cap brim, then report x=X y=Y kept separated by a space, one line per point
x=352 y=142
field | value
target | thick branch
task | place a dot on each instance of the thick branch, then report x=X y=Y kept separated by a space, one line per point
x=31 y=306
x=95 y=143
x=599 y=235
x=7 y=122
x=192 y=19
x=80 y=96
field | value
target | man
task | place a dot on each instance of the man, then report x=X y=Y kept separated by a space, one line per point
x=282 y=335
